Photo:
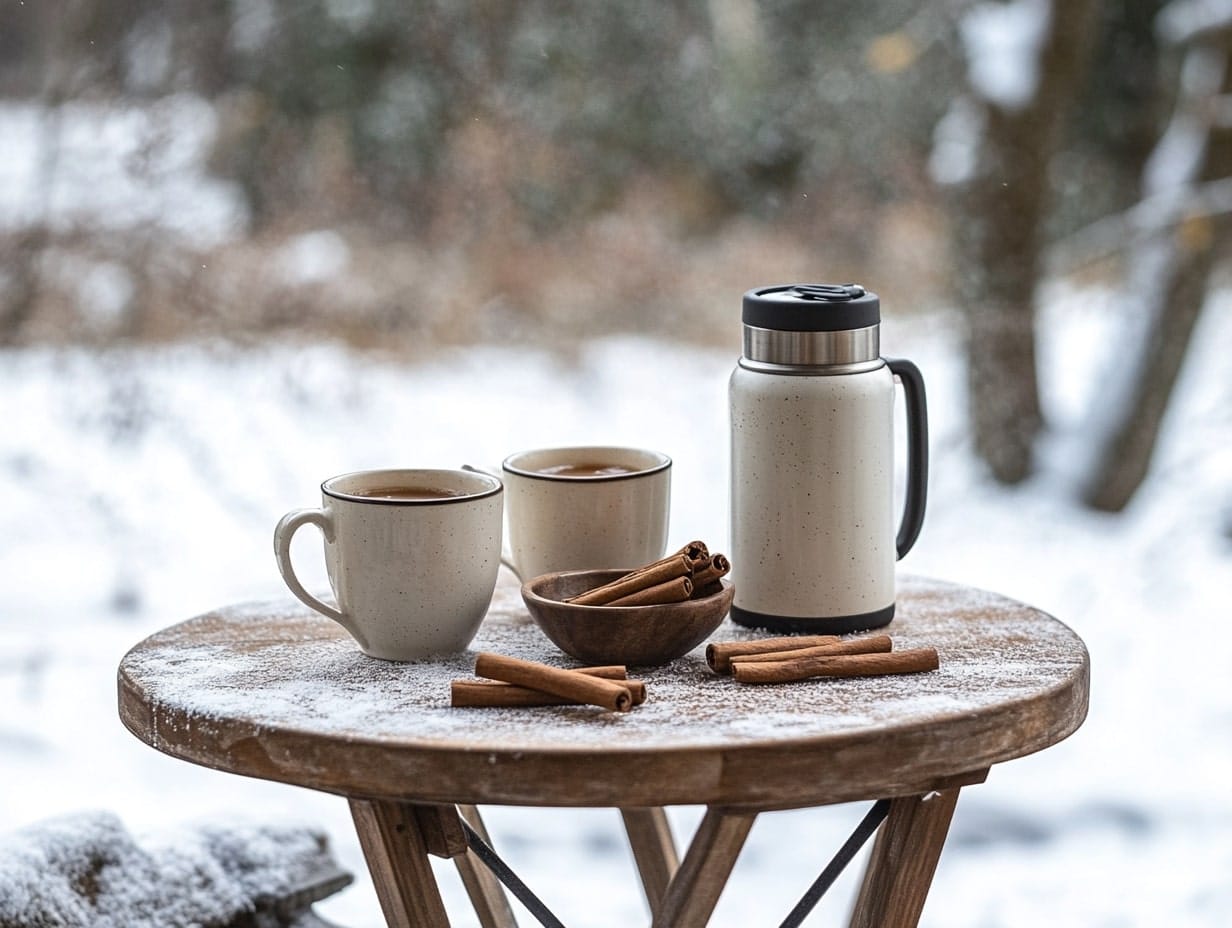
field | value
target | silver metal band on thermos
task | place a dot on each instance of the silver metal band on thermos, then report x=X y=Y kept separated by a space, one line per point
x=844 y=351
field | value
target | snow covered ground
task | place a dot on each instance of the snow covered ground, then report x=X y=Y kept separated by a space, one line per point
x=142 y=486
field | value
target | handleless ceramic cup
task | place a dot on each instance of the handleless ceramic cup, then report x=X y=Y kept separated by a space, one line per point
x=586 y=508
x=412 y=557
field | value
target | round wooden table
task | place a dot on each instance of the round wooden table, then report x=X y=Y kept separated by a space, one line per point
x=274 y=691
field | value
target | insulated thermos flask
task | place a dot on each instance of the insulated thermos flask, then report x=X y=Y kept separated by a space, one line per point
x=813 y=543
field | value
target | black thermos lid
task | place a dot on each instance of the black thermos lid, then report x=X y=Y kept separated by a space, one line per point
x=811 y=307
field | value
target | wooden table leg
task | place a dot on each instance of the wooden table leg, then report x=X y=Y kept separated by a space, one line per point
x=485 y=891
x=654 y=851
x=397 y=855
x=695 y=889
x=903 y=861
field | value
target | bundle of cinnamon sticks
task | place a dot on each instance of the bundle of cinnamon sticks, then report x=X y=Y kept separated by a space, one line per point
x=690 y=573
x=512 y=682
x=787 y=660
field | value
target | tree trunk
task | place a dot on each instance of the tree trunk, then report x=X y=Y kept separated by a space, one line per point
x=999 y=246
x=1167 y=283
x=1125 y=453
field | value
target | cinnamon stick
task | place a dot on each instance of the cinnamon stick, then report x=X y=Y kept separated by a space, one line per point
x=877 y=644
x=673 y=591
x=719 y=654
x=492 y=694
x=609 y=694
x=654 y=574
x=914 y=660
x=695 y=551
x=606 y=671
x=710 y=571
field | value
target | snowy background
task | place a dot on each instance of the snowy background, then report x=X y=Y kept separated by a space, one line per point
x=142 y=486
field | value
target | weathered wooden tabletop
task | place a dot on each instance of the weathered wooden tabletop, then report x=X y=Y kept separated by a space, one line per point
x=274 y=691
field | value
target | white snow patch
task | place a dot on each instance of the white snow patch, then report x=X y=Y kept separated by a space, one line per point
x=312 y=258
x=1002 y=43
x=1176 y=160
x=1182 y=21
x=956 y=142
x=104 y=290
x=116 y=166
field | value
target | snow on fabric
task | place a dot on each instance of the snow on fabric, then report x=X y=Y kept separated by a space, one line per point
x=87 y=871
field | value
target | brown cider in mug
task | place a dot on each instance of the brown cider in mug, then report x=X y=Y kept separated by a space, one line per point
x=586 y=470
x=405 y=493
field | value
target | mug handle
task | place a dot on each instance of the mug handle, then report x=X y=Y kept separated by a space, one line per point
x=287 y=526
x=917 y=453
x=506 y=557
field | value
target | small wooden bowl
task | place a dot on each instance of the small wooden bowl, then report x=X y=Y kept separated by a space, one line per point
x=633 y=635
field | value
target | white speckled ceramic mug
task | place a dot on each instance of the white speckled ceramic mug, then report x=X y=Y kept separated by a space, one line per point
x=412 y=557
x=586 y=507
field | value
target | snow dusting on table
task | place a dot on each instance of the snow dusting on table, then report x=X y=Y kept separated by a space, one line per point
x=278 y=666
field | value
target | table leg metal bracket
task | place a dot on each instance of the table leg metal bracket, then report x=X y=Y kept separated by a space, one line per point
x=694 y=890
x=512 y=882
x=684 y=896
x=866 y=829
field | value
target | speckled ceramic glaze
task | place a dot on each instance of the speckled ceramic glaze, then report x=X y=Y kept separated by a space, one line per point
x=812 y=530
x=412 y=578
x=581 y=523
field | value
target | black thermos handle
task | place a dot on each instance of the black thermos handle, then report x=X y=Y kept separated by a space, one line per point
x=917 y=453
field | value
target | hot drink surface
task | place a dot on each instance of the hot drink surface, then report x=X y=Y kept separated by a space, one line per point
x=405 y=493
x=586 y=470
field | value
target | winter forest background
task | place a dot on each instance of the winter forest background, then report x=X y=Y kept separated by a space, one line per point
x=247 y=244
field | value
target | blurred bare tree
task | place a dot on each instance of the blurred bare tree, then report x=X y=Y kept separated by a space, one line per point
x=1152 y=116
x=1173 y=238
x=1004 y=199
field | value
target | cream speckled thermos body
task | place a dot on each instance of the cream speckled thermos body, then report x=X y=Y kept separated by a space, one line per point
x=814 y=540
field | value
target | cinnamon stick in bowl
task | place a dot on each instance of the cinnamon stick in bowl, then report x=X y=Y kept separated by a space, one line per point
x=664 y=571
x=686 y=562
x=709 y=572
x=695 y=551
x=673 y=591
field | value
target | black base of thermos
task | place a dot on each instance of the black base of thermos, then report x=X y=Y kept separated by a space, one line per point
x=830 y=625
